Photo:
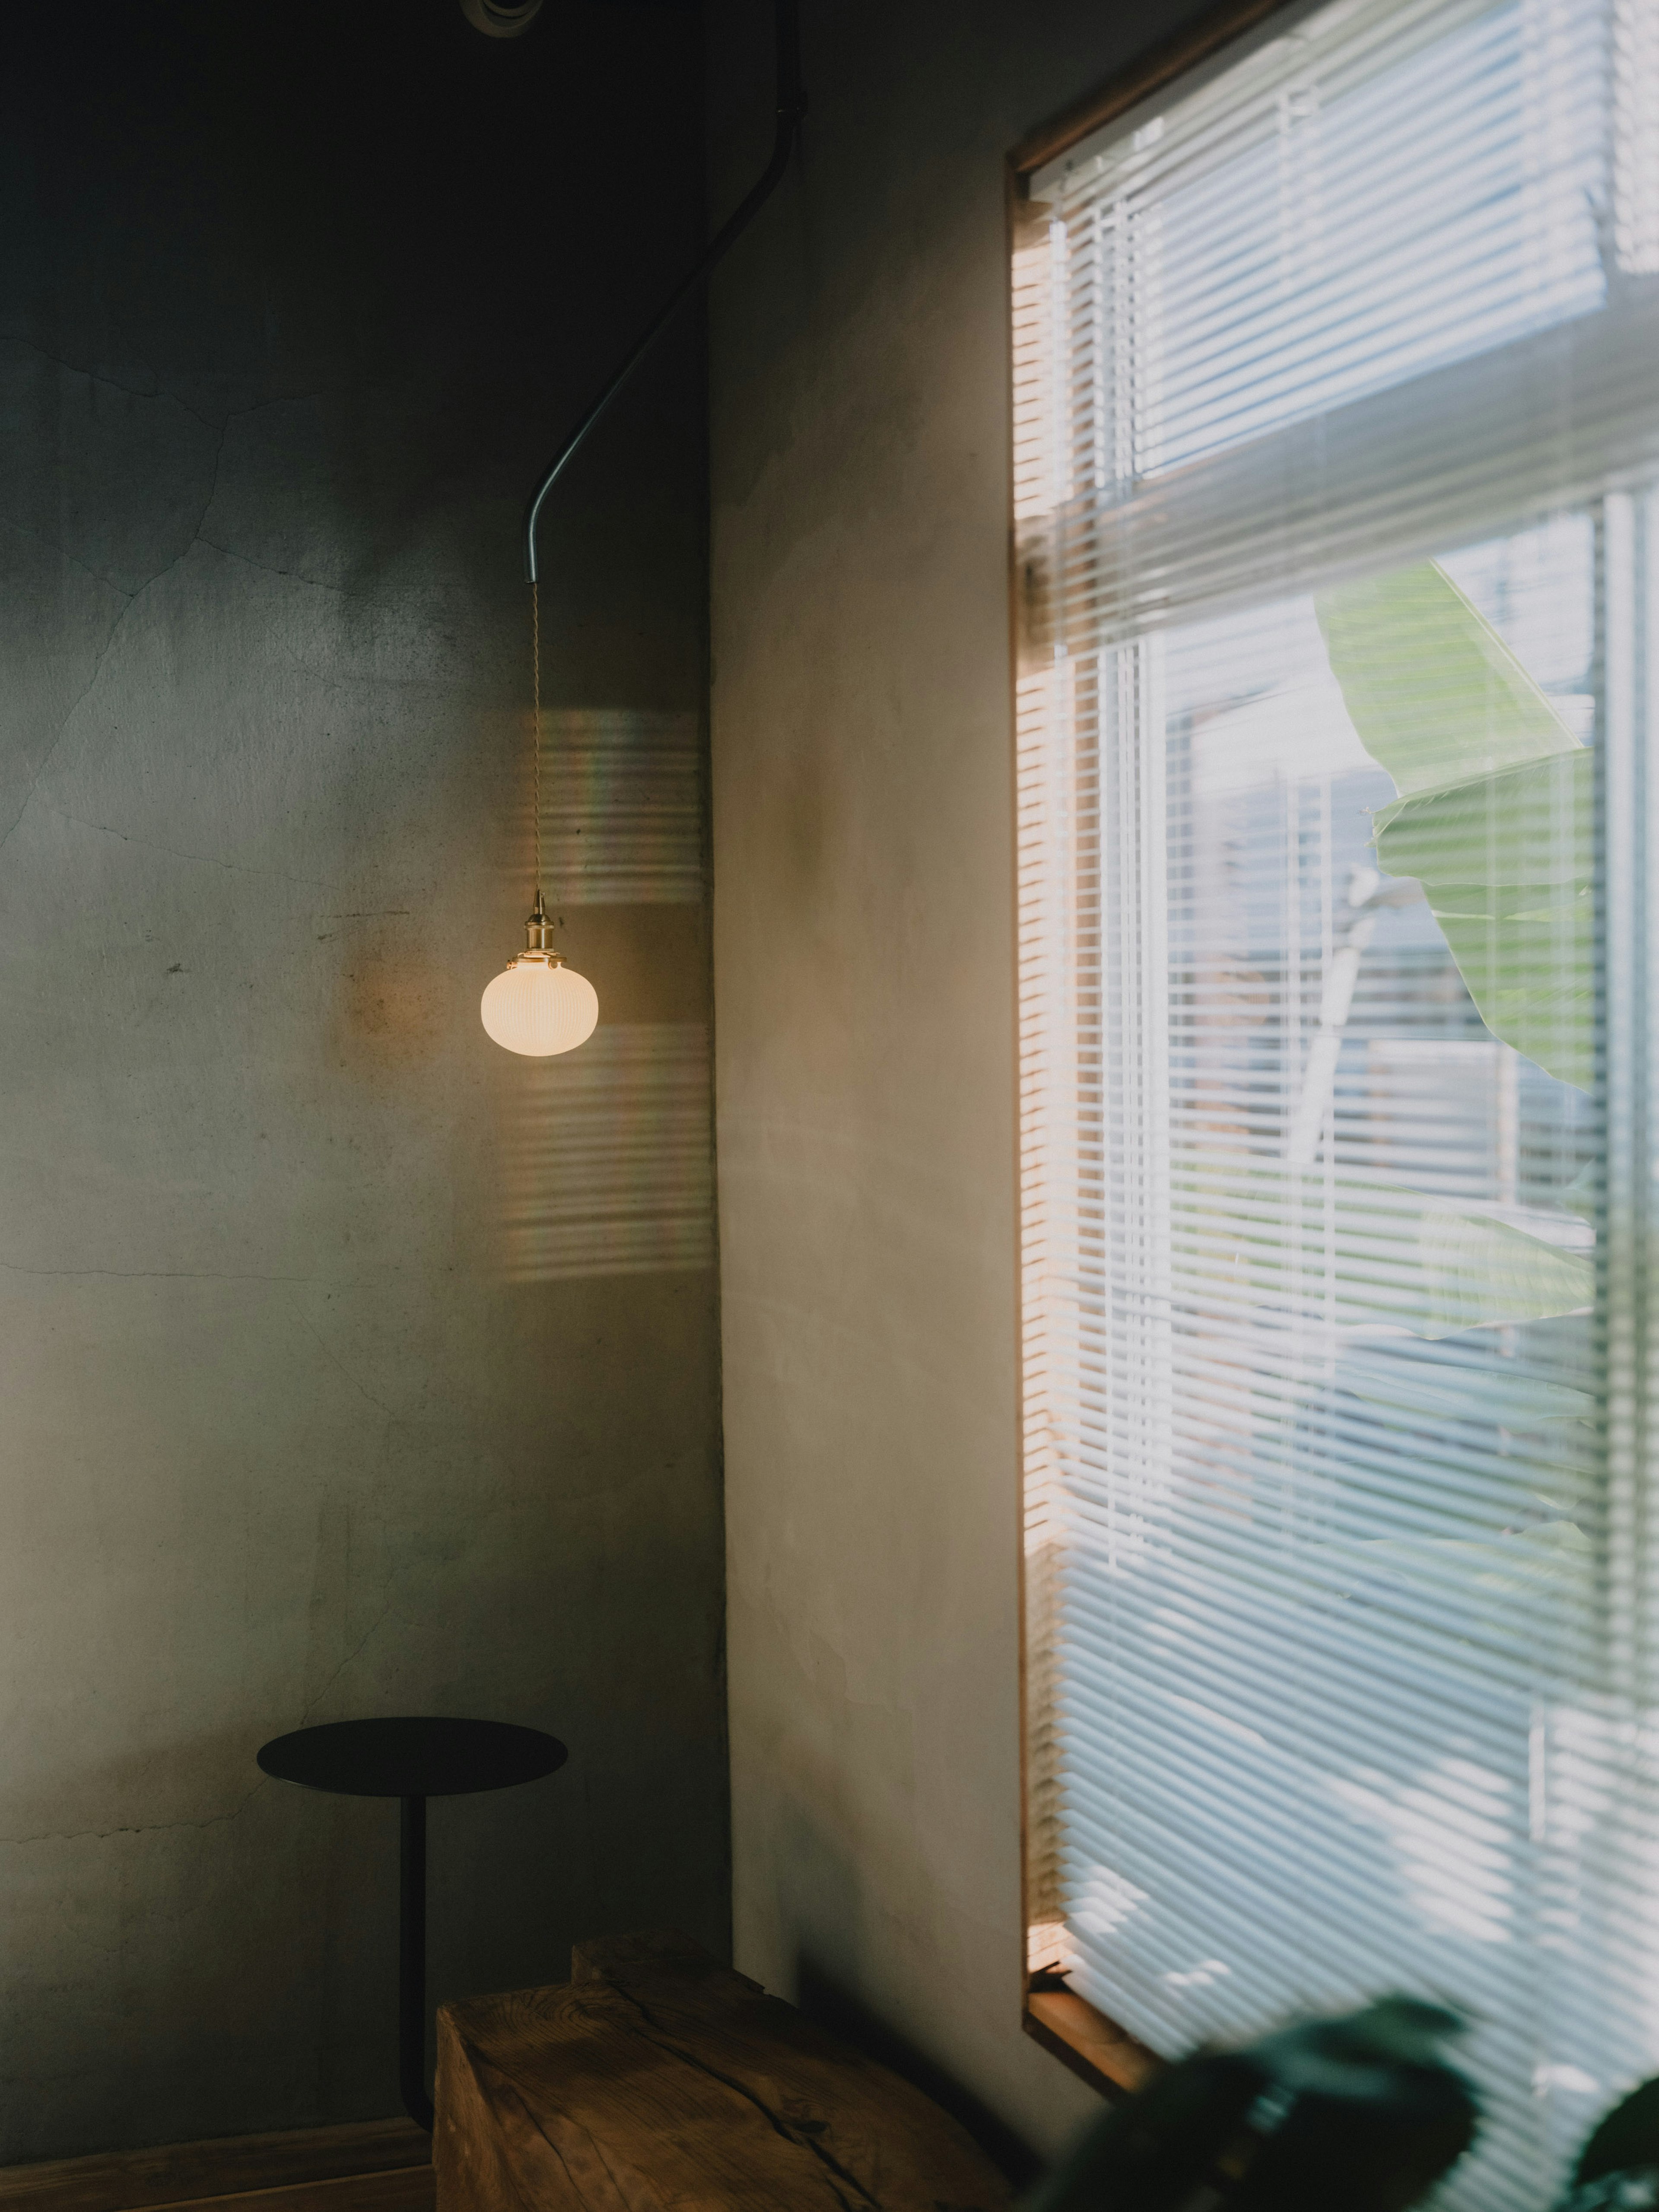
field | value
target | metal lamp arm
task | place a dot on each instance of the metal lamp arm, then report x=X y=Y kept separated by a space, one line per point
x=791 y=107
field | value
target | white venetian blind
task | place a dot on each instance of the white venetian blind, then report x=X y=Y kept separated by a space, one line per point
x=1336 y=418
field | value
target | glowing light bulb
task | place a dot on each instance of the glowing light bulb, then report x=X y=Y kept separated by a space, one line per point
x=536 y=1005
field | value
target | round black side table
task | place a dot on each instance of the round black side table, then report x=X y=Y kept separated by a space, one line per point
x=413 y=1760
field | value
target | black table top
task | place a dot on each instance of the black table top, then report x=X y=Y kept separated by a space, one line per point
x=412 y=1757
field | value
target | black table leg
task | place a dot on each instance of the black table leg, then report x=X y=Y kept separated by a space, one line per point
x=411 y=1758
x=411 y=1964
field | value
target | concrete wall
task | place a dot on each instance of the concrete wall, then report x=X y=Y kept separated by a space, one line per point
x=350 y=1365
x=864 y=978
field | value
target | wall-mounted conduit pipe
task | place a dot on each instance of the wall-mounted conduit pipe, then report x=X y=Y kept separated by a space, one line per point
x=791 y=107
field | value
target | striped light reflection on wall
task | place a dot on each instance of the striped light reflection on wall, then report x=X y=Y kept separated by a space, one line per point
x=623 y=791
x=608 y=1158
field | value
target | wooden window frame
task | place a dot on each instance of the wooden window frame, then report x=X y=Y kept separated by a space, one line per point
x=1084 y=2039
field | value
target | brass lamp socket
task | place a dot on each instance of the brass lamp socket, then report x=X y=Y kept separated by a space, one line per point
x=538 y=934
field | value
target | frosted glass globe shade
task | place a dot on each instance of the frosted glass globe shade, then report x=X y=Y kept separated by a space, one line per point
x=538 y=1008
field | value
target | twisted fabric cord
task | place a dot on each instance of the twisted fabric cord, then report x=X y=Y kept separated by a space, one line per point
x=536 y=738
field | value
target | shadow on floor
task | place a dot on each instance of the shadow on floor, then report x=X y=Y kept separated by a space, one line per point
x=823 y=1998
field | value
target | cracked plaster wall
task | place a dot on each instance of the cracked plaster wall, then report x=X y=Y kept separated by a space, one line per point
x=864 y=964
x=315 y=1403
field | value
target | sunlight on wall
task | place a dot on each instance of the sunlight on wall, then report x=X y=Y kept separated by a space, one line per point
x=624 y=807
x=607 y=1163
x=608 y=1158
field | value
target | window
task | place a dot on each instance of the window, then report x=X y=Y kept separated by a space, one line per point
x=1337 y=494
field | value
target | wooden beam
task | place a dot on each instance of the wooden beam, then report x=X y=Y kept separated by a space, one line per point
x=656 y=2077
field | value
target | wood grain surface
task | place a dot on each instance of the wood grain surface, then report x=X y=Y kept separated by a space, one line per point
x=656 y=2080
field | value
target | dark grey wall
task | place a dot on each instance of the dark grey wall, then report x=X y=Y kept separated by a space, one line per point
x=350 y=1365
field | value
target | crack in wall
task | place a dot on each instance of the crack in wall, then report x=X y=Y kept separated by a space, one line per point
x=143 y=1828
x=108 y=383
x=177 y=853
x=63 y=553
x=85 y=692
x=75 y=705
x=290 y=575
x=356 y=1653
x=220 y=427
x=159 y=390
x=213 y=488
x=335 y=1362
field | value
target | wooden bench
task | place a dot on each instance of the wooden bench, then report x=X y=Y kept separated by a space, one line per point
x=656 y=2080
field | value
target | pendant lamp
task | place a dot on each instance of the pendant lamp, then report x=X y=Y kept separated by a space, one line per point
x=536 y=1005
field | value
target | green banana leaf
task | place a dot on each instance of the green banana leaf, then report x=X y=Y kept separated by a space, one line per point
x=1399 y=1257
x=1495 y=806
x=1412 y=1388
x=1476 y=1272
x=1413 y=1397
x=1508 y=1580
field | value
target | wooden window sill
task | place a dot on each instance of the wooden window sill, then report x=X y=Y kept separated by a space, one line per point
x=1096 y=2049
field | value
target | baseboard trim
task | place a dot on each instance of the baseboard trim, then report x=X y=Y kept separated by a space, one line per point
x=231 y=2167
